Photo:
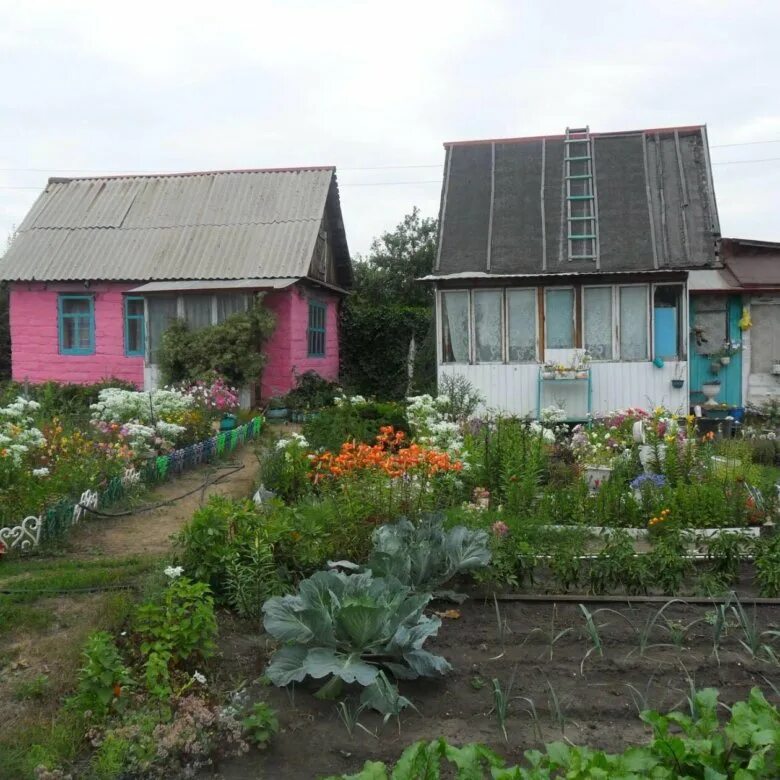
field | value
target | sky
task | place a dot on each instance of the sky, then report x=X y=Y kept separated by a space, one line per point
x=376 y=88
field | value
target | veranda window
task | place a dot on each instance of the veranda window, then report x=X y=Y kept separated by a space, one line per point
x=162 y=312
x=455 y=326
x=487 y=325
x=559 y=318
x=597 y=322
x=521 y=324
x=668 y=340
x=197 y=311
x=231 y=303
x=633 y=322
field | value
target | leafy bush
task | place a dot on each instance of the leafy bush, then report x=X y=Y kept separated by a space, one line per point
x=683 y=746
x=261 y=724
x=350 y=627
x=284 y=467
x=767 y=558
x=174 y=630
x=463 y=399
x=426 y=556
x=103 y=680
x=311 y=392
x=231 y=348
x=358 y=422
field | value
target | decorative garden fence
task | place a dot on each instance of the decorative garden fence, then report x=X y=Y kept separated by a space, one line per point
x=54 y=522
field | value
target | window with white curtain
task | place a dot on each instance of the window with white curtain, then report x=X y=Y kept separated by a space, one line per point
x=521 y=325
x=559 y=318
x=231 y=303
x=161 y=311
x=455 y=326
x=487 y=325
x=597 y=322
x=633 y=322
x=197 y=311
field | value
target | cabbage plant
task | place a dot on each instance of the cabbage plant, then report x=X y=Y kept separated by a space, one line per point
x=348 y=628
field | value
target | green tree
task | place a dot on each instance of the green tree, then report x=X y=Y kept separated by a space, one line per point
x=387 y=323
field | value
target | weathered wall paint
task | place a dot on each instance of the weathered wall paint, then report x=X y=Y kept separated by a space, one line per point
x=35 y=355
x=287 y=350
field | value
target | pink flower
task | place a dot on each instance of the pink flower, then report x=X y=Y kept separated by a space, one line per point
x=500 y=528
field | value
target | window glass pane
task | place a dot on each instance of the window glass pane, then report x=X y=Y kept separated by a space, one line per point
x=135 y=335
x=68 y=333
x=521 y=308
x=135 y=307
x=316 y=329
x=667 y=316
x=559 y=319
x=83 y=334
x=710 y=323
x=162 y=312
x=197 y=311
x=76 y=306
x=633 y=323
x=455 y=327
x=487 y=325
x=597 y=314
x=230 y=303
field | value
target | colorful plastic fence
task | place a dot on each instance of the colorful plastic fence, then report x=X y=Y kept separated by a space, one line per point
x=57 y=519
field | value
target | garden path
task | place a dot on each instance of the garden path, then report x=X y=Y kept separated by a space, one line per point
x=149 y=533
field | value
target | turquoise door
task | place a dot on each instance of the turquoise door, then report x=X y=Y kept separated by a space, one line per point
x=715 y=318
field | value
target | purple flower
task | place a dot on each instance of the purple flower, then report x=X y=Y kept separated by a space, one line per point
x=656 y=480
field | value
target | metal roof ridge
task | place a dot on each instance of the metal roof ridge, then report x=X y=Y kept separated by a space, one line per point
x=170 y=227
x=174 y=174
x=561 y=136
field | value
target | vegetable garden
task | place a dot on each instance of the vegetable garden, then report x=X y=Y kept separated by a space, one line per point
x=442 y=590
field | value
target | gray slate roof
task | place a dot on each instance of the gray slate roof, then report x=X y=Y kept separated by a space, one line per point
x=655 y=205
x=214 y=225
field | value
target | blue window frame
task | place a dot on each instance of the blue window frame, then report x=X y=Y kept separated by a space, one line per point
x=76 y=324
x=135 y=327
x=316 y=330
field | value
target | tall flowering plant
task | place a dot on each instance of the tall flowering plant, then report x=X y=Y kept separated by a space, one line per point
x=392 y=477
x=212 y=393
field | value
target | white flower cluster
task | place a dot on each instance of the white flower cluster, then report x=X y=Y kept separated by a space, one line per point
x=295 y=439
x=551 y=415
x=173 y=572
x=18 y=434
x=538 y=429
x=142 y=438
x=352 y=400
x=432 y=426
x=121 y=406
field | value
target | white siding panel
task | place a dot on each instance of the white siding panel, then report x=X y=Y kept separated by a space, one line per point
x=513 y=388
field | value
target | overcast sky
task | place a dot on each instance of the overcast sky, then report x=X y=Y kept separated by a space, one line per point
x=371 y=87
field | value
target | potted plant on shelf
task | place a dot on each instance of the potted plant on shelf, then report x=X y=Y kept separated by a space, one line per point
x=710 y=389
x=277 y=410
x=729 y=349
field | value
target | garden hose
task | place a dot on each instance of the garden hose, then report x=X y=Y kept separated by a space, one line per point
x=150 y=507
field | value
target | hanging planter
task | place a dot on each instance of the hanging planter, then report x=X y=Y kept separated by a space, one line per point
x=725 y=360
x=715 y=367
x=678 y=383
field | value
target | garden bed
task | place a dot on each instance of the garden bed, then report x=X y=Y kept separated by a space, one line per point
x=596 y=703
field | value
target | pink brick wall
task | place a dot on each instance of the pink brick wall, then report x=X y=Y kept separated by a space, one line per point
x=35 y=342
x=287 y=350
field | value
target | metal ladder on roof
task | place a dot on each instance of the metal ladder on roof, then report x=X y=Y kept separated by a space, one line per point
x=581 y=212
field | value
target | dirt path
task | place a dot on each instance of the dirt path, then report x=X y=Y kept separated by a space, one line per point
x=149 y=533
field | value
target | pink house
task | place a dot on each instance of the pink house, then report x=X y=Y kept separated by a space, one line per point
x=101 y=266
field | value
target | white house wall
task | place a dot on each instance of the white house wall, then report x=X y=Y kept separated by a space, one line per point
x=762 y=349
x=513 y=387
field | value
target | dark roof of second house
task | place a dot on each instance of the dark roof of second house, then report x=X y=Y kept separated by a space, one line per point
x=503 y=205
x=755 y=264
x=253 y=224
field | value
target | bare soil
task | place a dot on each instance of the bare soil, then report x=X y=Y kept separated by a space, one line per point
x=595 y=700
x=149 y=533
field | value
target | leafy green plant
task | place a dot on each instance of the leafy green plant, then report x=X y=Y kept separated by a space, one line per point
x=285 y=468
x=682 y=746
x=725 y=552
x=261 y=724
x=669 y=561
x=175 y=629
x=767 y=560
x=618 y=564
x=348 y=628
x=104 y=678
x=426 y=556
x=251 y=577
x=311 y=392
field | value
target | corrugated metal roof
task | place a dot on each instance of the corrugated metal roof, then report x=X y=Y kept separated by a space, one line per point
x=189 y=285
x=218 y=225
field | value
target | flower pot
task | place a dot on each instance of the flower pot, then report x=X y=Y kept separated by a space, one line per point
x=548 y=374
x=710 y=390
x=582 y=375
x=595 y=476
x=776 y=369
x=725 y=360
x=276 y=414
x=678 y=383
x=647 y=457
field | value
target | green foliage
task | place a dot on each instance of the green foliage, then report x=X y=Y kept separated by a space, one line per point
x=359 y=422
x=617 y=564
x=349 y=628
x=284 y=468
x=767 y=560
x=251 y=576
x=725 y=553
x=389 y=308
x=426 y=556
x=103 y=679
x=174 y=630
x=746 y=747
x=668 y=560
x=232 y=348
x=311 y=392
x=261 y=724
